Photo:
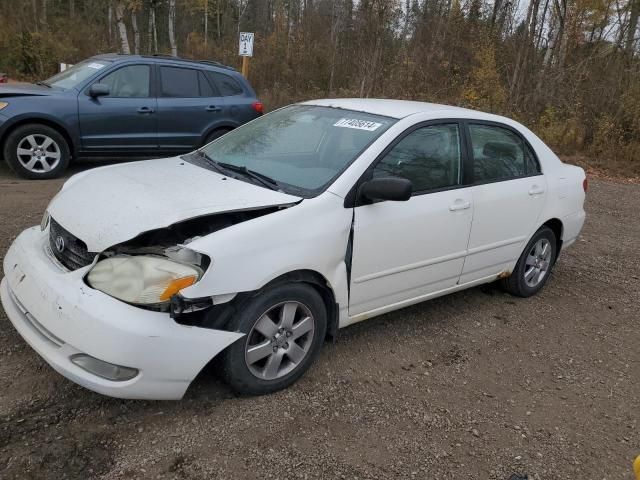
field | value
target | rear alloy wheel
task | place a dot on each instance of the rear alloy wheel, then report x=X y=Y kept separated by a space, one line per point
x=534 y=266
x=285 y=327
x=36 y=152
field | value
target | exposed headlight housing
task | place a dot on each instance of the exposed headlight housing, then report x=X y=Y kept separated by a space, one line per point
x=142 y=279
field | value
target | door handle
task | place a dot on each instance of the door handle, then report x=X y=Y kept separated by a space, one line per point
x=459 y=205
x=536 y=190
x=145 y=110
x=213 y=108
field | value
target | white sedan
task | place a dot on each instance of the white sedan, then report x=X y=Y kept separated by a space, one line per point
x=261 y=244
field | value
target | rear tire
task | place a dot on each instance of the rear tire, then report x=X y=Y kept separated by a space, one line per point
x=534 y=265
x=216 y=134
x=285 y=326
x=36 y=151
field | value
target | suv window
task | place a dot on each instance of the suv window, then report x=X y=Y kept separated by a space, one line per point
x=128 y=82
x=179 y=82
x=227 y=85
x=428 y=156
x=206 y=90
x=498 y=154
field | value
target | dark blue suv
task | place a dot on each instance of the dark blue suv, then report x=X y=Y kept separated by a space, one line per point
x=120 y=105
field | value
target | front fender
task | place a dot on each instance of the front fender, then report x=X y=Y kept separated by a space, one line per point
x=311 y=235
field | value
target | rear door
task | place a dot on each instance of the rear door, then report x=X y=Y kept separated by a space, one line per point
x=508 y=196
x=189 y=106
x=124 y=120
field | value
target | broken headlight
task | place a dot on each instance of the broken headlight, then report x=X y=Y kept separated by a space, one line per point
x=142 y=279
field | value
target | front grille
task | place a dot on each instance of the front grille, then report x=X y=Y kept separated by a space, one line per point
x=74 y=253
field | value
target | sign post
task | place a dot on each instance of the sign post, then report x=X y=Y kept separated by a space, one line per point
x=246 y=51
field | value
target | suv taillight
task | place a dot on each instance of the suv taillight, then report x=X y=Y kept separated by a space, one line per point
x=258 y=107
x=585 y=185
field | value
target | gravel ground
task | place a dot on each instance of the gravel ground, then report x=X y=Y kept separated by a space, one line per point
x=477 y=385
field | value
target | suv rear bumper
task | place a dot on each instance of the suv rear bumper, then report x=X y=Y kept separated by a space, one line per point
x=60 y=316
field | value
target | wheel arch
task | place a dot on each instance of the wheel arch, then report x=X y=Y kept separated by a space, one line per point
x=40 y=121
x=228 y=126
x=555 y=224
x=322 y=286
x=219 y=315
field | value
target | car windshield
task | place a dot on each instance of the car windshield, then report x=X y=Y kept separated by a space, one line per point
x=301 y=147
x=75 y=75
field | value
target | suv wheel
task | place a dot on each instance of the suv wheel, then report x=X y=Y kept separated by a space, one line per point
x=216 y=134
x=36 y=151
x=285 y=327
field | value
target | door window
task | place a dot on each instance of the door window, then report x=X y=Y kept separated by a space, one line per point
x=227 y=85
x=499 y=154
x=428 y=156
x=206 y=90
x=179 y=82
x=128 y=82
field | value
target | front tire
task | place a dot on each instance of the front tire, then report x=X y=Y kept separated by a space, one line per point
x=36 y=151
x=285 y=327
x=534 y=265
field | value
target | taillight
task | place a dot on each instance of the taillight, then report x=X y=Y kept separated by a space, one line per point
x=258 y=107
x=585 y=185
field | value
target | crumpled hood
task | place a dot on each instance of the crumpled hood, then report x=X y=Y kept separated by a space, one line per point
x=25 y=89
x=109 y=205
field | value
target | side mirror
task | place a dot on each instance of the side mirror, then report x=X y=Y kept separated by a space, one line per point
x=99 y=90
x=387 y=188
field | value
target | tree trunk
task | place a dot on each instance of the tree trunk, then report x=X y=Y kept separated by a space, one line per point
x=72 y=8
x=155 y=30
x=218 y=18
x=43 y=12
x=633 y=26
x=206 y=22
x=34 y=5
x=172 y=23
x=122 y=29
x=136 y=33
x=110 y=21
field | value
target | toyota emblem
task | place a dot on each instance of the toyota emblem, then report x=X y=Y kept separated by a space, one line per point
x=59 y=244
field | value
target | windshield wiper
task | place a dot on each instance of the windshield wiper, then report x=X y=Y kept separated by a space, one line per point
x=261 y=177
x=209 y=160
x=44 y=84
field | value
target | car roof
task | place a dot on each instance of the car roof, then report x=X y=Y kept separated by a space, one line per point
x=399 y=108
x=114 y=57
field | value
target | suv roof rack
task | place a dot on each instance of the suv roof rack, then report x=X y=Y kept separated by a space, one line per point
x=188 y=60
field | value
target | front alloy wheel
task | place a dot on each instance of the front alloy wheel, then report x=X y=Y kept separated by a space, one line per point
x=285 y=326
x=280 y=340
x=38 y=153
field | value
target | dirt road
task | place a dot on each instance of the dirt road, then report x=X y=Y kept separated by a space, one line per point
x=476 y=385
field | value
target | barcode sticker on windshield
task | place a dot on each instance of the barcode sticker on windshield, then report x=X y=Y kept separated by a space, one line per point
x=358 y=124
x=97 y=66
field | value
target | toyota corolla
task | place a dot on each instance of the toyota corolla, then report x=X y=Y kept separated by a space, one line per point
x=257 y=247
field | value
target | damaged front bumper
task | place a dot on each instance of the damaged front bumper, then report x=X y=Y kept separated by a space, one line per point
x=61 y=318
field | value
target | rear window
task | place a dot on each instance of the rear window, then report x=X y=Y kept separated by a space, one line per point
x=227 y=85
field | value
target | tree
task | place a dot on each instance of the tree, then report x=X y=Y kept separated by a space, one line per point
x=172 y=23
x=122 y=28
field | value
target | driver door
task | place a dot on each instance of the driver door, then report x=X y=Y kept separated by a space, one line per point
x=126 y=119
x=405 y=251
